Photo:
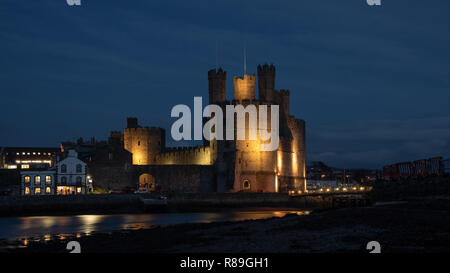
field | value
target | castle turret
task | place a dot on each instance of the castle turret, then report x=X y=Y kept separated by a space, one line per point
x=132 y=123
x=284 y=96
x=217 y=86
x=266 y=82
x=244 y=88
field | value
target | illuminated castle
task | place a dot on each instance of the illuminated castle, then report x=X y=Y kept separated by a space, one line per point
x=224 y=165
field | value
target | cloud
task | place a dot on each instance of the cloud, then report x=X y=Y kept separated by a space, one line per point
x=379 y=142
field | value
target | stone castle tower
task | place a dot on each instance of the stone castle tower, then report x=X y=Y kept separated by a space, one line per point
x=144 y=143
x=237 y=165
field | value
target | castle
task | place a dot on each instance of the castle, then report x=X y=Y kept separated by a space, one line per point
x=224 y=165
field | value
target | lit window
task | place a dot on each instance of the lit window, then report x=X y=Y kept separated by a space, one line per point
x=63 y=168
x=23 y=153
x=27 y=190
x=17 y=153
x=39 y=153
x=79 y=167
x=37 y=191
x=27 y=179
x=34 y=153
x=48 y=190
x=78 y=189
x=12 y=166
x=28 y=153
x=48 y=179
x=37 y=180
x=25 y=166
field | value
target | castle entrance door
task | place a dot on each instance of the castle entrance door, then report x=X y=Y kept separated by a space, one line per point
x=146 y=182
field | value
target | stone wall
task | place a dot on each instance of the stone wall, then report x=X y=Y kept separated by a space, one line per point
x=181 y=178
x=133 y=203
x=113 y=176
x=185 y=156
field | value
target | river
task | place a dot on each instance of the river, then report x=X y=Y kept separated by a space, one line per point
x=48 y=227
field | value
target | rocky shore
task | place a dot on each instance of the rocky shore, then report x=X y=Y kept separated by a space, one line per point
x=419 y=224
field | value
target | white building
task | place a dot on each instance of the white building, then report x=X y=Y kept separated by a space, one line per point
x=39 y=182
x=71 y=175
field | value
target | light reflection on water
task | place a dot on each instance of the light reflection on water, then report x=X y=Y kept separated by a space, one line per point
x=38 y=228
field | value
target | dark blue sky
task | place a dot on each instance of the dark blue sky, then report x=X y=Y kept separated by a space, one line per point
x=372 y=83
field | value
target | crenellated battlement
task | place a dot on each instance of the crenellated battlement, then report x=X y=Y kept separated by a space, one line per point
x=295 y=123
x=266 y=69
x=183 y=149
x=199 y=155
x=284 y=92
x=217 y=73
x=151 y=131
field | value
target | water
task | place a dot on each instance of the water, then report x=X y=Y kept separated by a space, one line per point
x=46 y=227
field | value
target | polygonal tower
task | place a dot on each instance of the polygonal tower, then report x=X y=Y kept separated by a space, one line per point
x=244 y=88
x=217 y=86
x=144 y=143
x=266 y=82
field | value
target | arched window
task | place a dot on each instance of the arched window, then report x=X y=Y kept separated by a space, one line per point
x=27 y=179
x=79 y=168
x=246 y=185
x=63 y=168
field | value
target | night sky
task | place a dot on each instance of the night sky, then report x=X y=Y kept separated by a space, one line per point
x=372 y=83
